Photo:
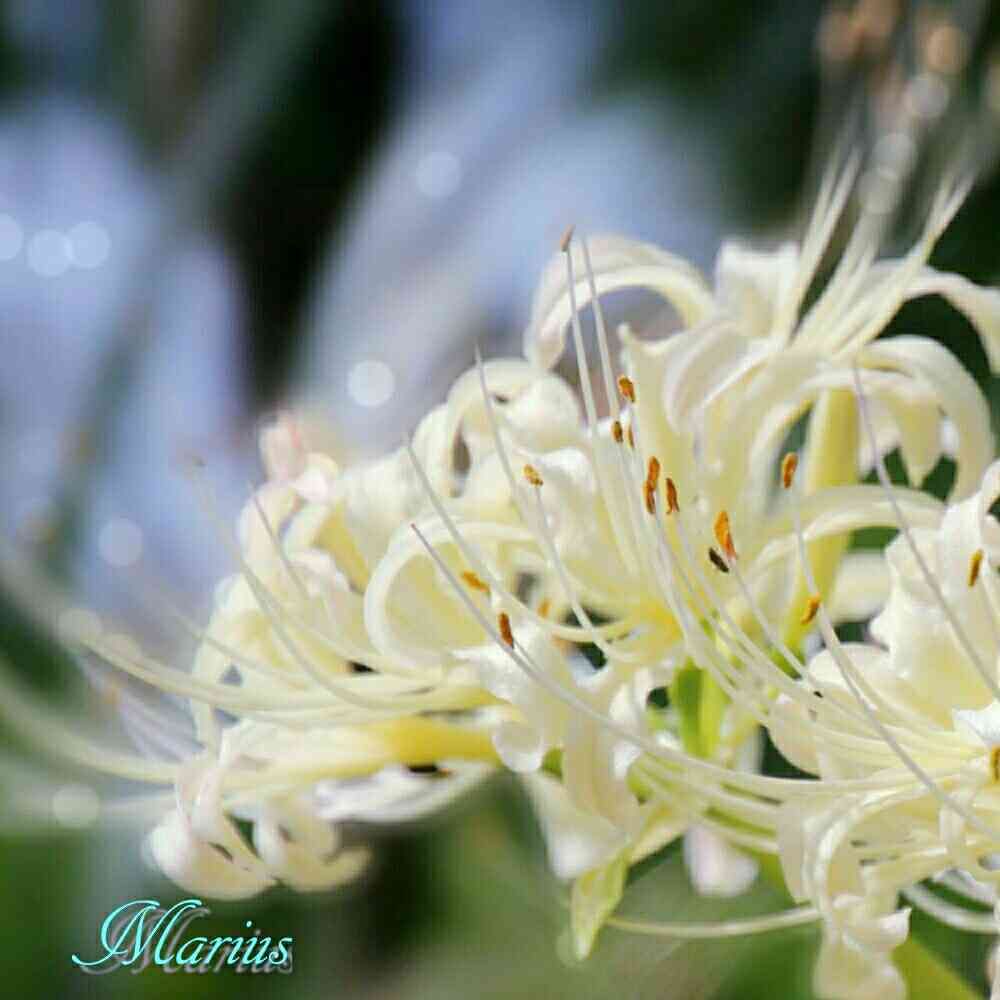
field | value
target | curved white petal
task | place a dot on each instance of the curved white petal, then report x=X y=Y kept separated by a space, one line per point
x=957 y=394
x=618 y=263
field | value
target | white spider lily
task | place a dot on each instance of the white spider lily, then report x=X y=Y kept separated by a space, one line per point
x=654 y=562
x=469 y=589
x=753 y=328
x=298 y=694
x=924 y=720
x=276 y=701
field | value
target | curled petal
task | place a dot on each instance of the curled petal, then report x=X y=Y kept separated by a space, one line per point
x=980 y=305
x=956 y=393
x=302 y=850
x=200 y=867
x=618 y=263
x=752 y=284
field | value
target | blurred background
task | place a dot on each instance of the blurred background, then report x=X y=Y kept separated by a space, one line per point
x=210 y=209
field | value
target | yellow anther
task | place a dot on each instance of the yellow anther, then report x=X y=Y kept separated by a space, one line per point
x=616 y=431
x=724 y=536
x=974 y=566
x=788 y=466
x=626 y=388
x=652 y=481
x=631 y=439
x=672 y=504
x=812 y=606
x=503 y=621
x=995 y=763
x=531 y=474
x=544 y=607
x=474 y=582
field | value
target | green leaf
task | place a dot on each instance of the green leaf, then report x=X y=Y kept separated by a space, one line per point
x=928 y=977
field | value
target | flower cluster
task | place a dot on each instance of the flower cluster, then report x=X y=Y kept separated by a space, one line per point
x=614 y=590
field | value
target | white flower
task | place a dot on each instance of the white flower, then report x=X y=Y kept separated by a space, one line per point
x=200 y=848
x=754 y=329
x=601 y=533
x=601 y=602
x=920 y=729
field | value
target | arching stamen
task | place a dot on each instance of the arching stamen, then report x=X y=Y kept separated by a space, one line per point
x=856 y=683
x=691 y=769
x=279 y=549
x=961 y=918
x=569 y=591
x=493 y=582
x=734 y=685
x=333 y=639
x=159 y=601
x=275 y=610
x=830 y=202
x=904 y=527
x=726 y=928
x=45 y=728
x=737 y=639
x=583 y=368
x=623 y=540
x=152 y=731
x=602 y=331
x=871 y=312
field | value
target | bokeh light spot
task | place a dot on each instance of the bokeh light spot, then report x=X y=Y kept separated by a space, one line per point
x=49 y=253
x=371 y=383
x=439 y=174
x=76 y=806
x=89 y=244
x=120 y=542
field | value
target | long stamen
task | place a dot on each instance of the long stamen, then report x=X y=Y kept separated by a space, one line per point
x=726 y=928
x=581 y=355
x=568 y=590
x=691 y=769
x=829 y=206
x=904 y=527
x=763 y=667
x=627 y=554
x=855 y=682
x=693 y=632
x=275 y=611
x=495 y=584
x=46 y=729
x=602 y=332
